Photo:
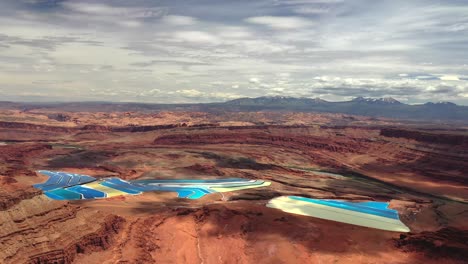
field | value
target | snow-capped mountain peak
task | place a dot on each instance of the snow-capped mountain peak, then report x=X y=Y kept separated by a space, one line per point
x=385 y=100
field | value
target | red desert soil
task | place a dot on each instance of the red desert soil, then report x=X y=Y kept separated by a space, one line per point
x=422 y=172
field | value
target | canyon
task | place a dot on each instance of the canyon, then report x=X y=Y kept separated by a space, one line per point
x=420 y=168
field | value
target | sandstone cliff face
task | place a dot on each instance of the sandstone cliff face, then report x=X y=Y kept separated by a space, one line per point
x=445 y=243
x=257 y=137
x=97 y=128
x=10 y=198
x=59 y=117
x=19 y=154
x=39 y=230
x=14 y=163
x=33 y=127
x=435 y=138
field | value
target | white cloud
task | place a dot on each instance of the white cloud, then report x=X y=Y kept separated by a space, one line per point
x=224 y=95
x=277 y=89
x=449 y=78
x=458 y=27
x=280 y=22
x=235 y=33
x=130 y=23
x=151 y=92
x=94 y=8
x=190 y=93
x=307 y=10
x=110 y=10
x=254 y=80
x=195 y=36
x=179 y=20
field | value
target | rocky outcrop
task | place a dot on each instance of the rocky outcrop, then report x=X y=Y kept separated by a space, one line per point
x=37 y=230
x=144 y=128
x=60 y=117
x=257 y=137
x=14 y=158
x=98 y=128
x=448 y=242
x=32 y=127
x=10 y=198
x=10 y=153
x=427 y=137
x=93 y=242
x=205 y=169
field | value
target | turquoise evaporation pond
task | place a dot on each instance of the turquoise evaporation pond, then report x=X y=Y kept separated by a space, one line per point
x=370 y=207
x=61 y=180
x=87 y=193
x=123 y=186
x=175 y=181
x=67 y=186
x=62 y=194
x=183 y=192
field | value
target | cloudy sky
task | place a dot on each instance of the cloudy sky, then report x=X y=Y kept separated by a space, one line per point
x=217 y=50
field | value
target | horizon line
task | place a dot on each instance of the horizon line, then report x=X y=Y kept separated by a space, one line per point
x=214 y=102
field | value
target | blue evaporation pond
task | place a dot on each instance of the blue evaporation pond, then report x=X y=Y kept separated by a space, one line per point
x=175 y=181
x=192 y=193
x=123 y=186
x=370 y=207
x=52 y=180
x=62 y=179
x=62 y=194
x=182 y=192
x=74 y=180
x=87 y=193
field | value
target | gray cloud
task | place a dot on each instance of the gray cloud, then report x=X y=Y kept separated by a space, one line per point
x=176 y=51
x=47 y=43
x=367 y=91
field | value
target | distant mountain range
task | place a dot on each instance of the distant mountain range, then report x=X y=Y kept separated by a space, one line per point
x=374 y=107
